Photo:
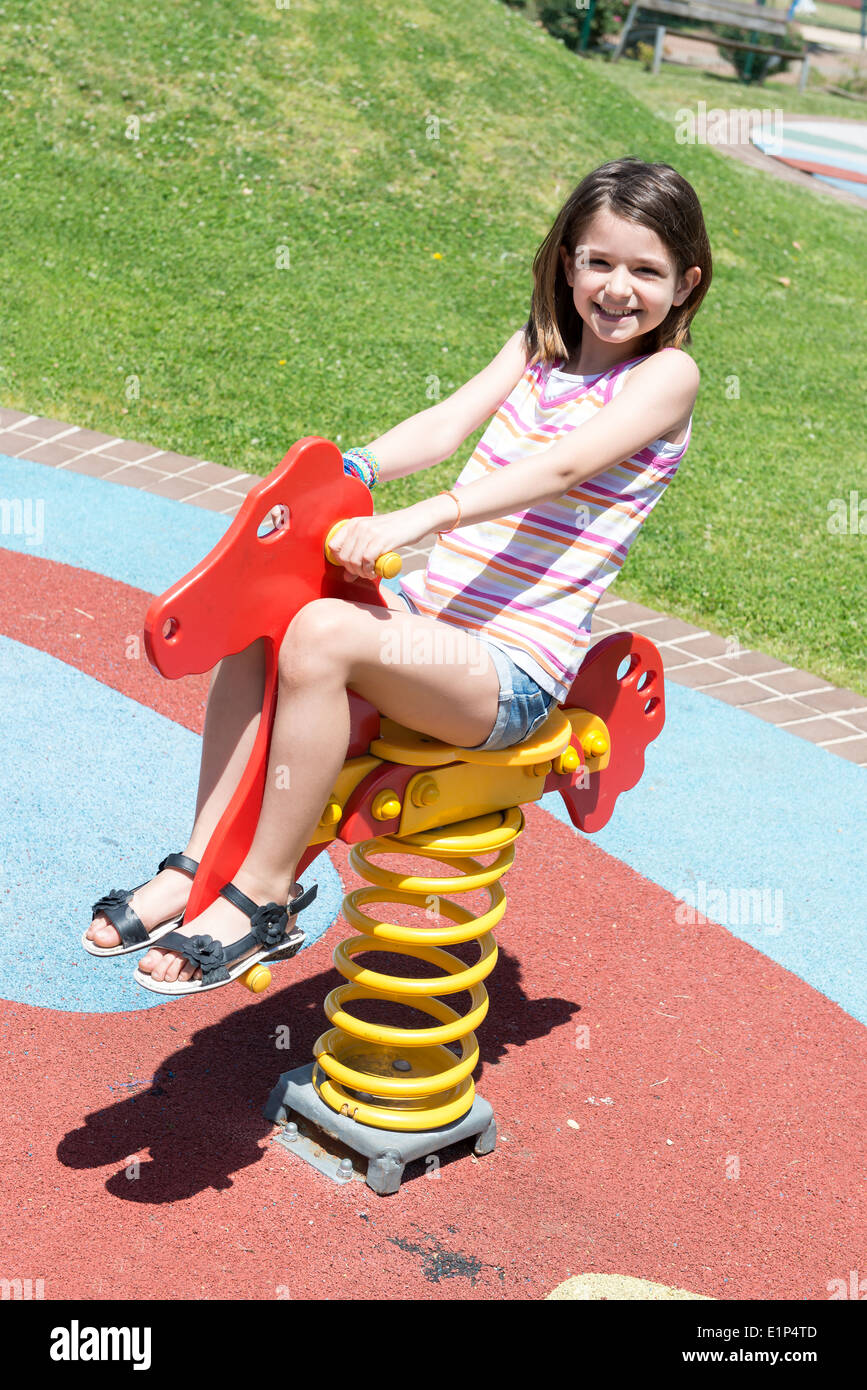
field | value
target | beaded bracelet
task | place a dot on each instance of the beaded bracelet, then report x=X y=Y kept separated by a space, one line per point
x=363 y=464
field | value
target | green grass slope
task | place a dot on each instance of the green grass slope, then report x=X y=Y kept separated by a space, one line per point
x=238 y=213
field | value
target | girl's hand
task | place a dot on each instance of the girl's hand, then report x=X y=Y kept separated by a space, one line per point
x=359 y=544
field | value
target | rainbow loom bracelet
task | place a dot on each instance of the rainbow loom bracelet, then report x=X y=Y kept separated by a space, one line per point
x=363 y=463
x=355 y=469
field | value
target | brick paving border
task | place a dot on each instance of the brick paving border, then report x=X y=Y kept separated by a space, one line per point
x=803 y=704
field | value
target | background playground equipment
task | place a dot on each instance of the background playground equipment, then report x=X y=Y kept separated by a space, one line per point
x=834 y=152
x=750 y=19
x=391 y=1094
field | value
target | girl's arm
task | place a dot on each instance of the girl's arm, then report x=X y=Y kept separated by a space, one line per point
x=434 y=434
x=658 y=395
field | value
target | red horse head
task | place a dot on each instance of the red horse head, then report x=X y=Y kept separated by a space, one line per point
x=251 y=585
x=257 y=577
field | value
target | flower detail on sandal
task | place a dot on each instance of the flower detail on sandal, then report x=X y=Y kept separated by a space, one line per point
x=207 y=950
x=116 y=897
x=208 y=953
x=268 y=923
x=221 y=964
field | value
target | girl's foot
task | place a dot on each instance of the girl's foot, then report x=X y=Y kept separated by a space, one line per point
x=155 y=902
x=222 y=921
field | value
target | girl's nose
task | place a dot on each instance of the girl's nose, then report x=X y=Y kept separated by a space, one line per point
x=618 y=285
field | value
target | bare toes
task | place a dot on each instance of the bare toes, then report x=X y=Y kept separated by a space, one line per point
x=161 y=966
x=100 y=933
x=174 y=965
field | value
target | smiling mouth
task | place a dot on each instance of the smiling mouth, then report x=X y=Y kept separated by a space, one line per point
x=613 y=314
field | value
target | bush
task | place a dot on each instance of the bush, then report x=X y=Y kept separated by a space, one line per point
x=761 y=65
x=645 y=55
x=565 y=22
x=856 y=85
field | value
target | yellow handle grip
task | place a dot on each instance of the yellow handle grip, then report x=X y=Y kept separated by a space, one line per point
x=387 y=566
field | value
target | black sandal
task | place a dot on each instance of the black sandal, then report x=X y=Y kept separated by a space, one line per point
x=220 y=964
x=134 y=935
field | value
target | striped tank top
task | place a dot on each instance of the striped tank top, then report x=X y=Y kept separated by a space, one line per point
x=528 y=583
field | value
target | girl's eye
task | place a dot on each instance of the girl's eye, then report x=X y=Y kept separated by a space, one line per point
x=642 y=269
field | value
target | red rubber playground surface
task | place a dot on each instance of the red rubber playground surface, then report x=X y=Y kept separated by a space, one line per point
x=672 y=1106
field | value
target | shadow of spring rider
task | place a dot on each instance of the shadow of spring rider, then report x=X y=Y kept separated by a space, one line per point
x=391 y=1094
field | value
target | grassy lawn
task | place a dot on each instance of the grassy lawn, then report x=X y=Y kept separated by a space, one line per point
x=831 y=17
x=677 y=85
x=154 y=160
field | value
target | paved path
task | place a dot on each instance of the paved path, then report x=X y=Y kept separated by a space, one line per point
x=803 y=704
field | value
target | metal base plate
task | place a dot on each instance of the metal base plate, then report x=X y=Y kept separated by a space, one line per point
x=387 y=1151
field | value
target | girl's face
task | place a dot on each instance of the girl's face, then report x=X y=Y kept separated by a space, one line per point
x=623 y=278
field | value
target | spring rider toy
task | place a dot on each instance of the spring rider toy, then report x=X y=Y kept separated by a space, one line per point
x=391 y=1094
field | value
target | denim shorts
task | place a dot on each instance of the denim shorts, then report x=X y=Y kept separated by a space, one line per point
x=522 y=704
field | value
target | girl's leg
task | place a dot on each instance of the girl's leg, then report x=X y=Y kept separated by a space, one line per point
x=231 y=722
x=418 y=671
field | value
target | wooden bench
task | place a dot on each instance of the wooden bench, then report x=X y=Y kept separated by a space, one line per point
x=752 y=18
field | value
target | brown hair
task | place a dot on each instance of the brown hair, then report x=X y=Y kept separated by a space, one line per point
x=654 y=196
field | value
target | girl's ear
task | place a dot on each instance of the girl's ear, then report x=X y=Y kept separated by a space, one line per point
x=687 y=283
x=566 y=261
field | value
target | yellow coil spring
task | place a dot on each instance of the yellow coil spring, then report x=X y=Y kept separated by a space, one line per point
x=404 y=1078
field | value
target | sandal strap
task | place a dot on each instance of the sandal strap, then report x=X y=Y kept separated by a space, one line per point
x=128 y=925
x=234 y=895
x=212 y=956
x=269 y=922
x=179 y=861
x=204 y=951
x=303 y=899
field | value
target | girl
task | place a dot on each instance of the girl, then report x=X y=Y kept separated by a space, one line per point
x=593 y=400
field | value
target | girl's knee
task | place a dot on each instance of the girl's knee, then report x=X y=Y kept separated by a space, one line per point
x=313 y=638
